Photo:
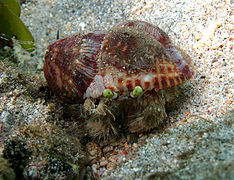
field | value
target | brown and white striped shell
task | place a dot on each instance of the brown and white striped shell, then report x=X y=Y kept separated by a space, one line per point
x=132 y=53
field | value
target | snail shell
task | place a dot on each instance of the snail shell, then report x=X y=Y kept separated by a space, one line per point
x=132 y=53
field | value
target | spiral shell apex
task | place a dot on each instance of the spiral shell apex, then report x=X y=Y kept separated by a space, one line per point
x=131 y=54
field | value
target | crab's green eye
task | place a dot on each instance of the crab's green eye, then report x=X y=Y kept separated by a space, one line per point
x=137 y=91
x=107 y=93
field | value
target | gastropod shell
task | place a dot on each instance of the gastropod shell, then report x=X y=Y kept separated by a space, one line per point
x=130 y=73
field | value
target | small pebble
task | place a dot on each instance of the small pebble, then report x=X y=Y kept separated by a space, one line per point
x=82 y=25
x=113 y=158
x=94 y=168
x=134 y=146
x=107 y=149
x=103 y=163
x=110 y=166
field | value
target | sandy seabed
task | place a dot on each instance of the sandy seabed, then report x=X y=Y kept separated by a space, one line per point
x=202 y=28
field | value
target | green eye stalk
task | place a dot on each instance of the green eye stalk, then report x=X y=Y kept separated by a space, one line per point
x=136 y=92
x=107 y=93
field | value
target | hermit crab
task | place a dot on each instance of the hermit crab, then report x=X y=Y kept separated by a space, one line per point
x=124 y=77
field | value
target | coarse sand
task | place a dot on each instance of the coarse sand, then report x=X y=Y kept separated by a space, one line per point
x=204 y=29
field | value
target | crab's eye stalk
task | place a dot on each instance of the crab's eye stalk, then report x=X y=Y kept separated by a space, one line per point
x=107 y=93
x=137 y=92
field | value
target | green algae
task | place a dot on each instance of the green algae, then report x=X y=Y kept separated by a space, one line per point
x=12 y=26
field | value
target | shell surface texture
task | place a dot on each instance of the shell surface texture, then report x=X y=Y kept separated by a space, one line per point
x=125 y=77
